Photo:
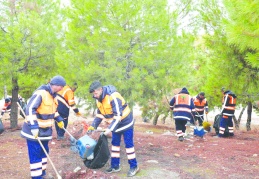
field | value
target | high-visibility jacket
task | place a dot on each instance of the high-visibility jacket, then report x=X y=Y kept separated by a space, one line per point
x=228 y=103
x=41 y=112
x=182 y=105
x=200 y=105
x=65 y=101
x=113 y=109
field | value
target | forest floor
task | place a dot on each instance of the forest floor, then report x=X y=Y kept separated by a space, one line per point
x=159 y=154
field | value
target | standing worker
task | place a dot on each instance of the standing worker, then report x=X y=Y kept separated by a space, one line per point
x=228 y=111
x=113 y=109
x=40 y=112
x=182 y=105
x=65 y=102
x=201 y=105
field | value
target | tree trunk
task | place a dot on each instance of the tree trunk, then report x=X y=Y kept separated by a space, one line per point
x=249 y=115
x=236 y=123
x=156 y=119
x=239 y=118
x=163 y=119
x=14 y=107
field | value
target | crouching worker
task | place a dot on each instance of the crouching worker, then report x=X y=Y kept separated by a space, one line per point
x=113 y=109
x=228 y=111
x=7 y=106
x=40 y=112
x=66 y=100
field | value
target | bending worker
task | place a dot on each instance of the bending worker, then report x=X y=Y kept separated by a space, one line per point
x=7 y=106
x=113 y=108
x=201 y=105
x=228 y=111
x=65 y=102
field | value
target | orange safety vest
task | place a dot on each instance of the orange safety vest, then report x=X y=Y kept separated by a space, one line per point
x=199 y=105
x=48 y=107
x=231 y=102
x=182 y=99
x=68 y=95
x=105 y=107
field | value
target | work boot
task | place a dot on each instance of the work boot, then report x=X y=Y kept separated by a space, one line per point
x=133 y=171
x=113 y=170
x=181 y=138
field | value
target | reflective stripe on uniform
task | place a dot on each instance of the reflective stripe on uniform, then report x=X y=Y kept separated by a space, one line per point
x=44 y=163
x=131 y=156
x=116 y=148
x=35 y=165
x=115 y=154
x=182 y=109
x=130 y=150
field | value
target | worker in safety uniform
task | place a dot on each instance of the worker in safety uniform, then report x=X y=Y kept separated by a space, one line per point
x=201 y=105
x=65 y=102
x=41 y=112
x=113 y=109
x=7 y=106
x=228 y=111
x=182 y=105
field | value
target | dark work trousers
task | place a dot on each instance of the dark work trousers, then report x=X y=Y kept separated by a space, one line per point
x=200 y=119
x=226 y=122
x=180 y=126
x=38 y=158
x=129 y=145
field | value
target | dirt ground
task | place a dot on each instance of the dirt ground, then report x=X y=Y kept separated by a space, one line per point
x=159 y=154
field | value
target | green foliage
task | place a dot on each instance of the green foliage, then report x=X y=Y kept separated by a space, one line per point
x=28 y=38
x=224 y=56
x=145 y=49
x=133 y=46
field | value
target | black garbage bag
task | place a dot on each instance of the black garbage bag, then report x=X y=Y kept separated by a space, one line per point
x=101 y=154
x=216 y=125
x=1 y=127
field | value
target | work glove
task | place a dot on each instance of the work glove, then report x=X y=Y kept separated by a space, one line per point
x=78 y=114
x=35 y=133
x=107 y=132
x=61 y=124
x=90 y=129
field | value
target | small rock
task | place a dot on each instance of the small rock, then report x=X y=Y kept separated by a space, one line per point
x=83 y=171
x=152 y=161
x=177 y=155
x=149 y=132
x=77 y=169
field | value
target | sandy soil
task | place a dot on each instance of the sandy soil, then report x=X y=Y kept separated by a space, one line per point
x=159 y=154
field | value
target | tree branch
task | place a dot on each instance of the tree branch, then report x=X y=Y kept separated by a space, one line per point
x=3 y=30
